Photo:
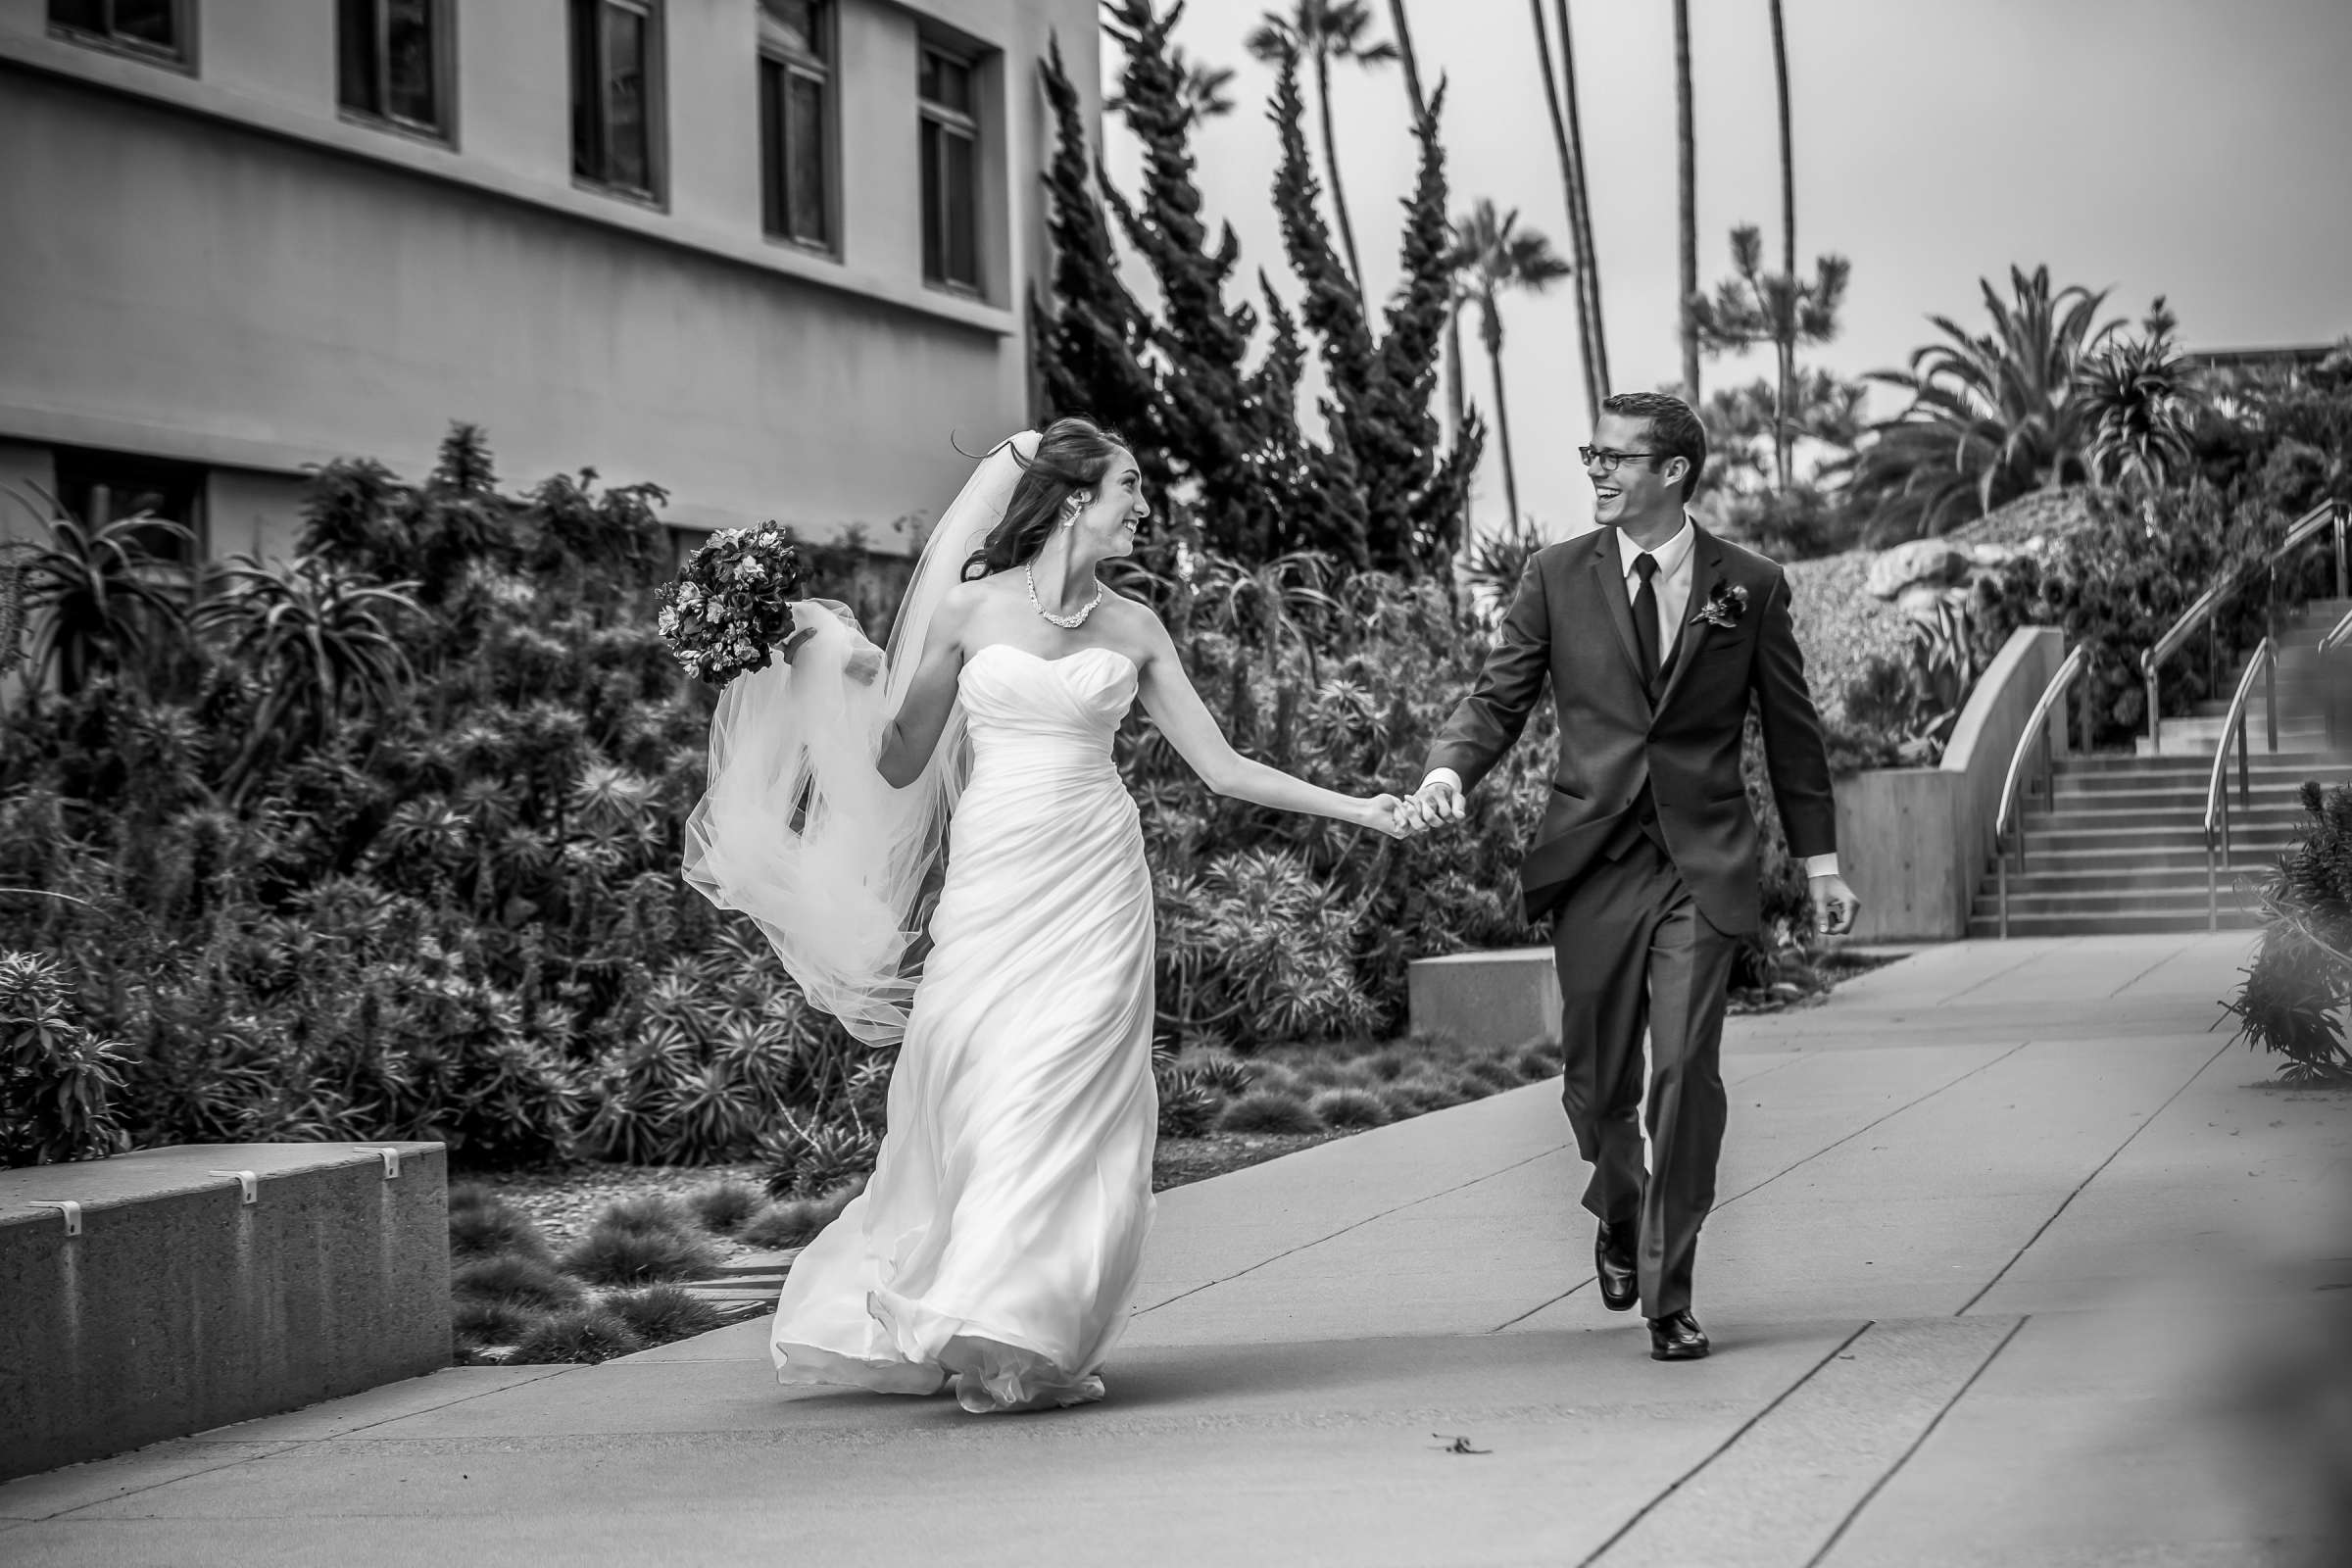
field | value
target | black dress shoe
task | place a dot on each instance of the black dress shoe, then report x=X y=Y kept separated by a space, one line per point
x=1613 y=1264
x=1677 y=1336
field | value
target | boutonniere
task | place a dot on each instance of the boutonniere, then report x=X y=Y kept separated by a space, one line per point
x=1725 y=604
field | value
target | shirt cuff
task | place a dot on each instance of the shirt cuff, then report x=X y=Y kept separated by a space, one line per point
x=1448 y=775
x=1821 y=864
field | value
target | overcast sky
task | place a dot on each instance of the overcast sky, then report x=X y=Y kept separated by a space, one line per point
x=2201 y=148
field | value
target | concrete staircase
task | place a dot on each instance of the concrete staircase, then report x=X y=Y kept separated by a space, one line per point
x=2118 y=846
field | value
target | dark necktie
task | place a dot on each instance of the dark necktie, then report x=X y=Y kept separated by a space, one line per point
x=1645 y=617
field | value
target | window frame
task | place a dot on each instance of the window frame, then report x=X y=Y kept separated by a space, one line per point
x=935 y=119
x=77 y=470
x=444 y=21
x=181 y=57
x=776 y=150
x=656 y=193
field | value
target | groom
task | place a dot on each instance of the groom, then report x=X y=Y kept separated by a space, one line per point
x=1655 y=635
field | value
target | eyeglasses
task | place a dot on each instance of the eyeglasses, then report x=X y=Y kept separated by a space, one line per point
x=1607 y=461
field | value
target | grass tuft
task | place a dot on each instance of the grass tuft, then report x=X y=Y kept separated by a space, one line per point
x=794 y=1221
x=646 y=1214
x=580 y=1334
x=1348 y=1107
x=492 y=1227
x=512 y=1281
x=478 y=1322
x=1269 y=1110
x=609 y=1254
x=660 y=1313
x=1537 y=1061
x=723 y=1206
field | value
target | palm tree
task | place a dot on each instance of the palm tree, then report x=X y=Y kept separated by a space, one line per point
x=1412 y=62
x=1784 y=347
x=1594 y=387
x=1991 y=416
x=1325 y=30
x=1687 y=173
x=1495 y=256
x=1588 y=255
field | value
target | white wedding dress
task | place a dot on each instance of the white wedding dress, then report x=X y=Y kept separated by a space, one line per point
x=996 y=1248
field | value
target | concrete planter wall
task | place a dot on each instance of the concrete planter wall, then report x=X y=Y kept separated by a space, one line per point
x=182 y=1305
x=1916 y=842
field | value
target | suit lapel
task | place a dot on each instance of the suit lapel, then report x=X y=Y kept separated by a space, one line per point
x=1608 y=580
x=1706 y=570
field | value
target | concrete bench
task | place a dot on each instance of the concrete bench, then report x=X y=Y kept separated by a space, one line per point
x=1506 y=997
x=202 y=1284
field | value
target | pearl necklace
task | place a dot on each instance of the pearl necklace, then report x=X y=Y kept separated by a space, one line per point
x=1065 y=622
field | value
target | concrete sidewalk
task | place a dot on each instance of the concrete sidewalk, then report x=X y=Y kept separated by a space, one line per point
x=2003 y=1228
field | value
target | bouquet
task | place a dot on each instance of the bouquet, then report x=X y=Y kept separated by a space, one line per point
x=732 y=604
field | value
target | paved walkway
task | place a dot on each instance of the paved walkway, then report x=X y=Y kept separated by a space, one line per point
x=2006 y=1228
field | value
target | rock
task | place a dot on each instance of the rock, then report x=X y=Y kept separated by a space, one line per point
x=1933 y=562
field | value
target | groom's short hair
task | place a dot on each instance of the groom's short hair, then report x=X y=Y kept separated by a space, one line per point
x=1674 y=429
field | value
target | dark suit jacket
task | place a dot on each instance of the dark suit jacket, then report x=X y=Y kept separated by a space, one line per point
x=1572 y=621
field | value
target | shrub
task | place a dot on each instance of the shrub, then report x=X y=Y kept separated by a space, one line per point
x=1348 y=1109
x=805 y=1157
x=1537 y=1061
x=484 y=1225
x=1220 y=1071
x=478 y=1322
x=1389 y=1063
x=723 y=1207
x=1416 y=1096
x=611 y=1254
x=795 y=1222
x=57 y=1080
x=1269 y=1110
x=660 y=1313
x=2300 y=980
x=1188 y=1107
x=648 y=1215
x=512 y=1281
x=584 y=1333
x=1492 y=1074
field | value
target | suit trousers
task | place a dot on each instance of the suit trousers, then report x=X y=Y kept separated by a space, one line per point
x=1635 y=956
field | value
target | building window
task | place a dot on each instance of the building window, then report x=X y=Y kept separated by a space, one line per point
x=947 y=89
x=102 y=487
x=796 y=120
x=616 y=95
x=392 y=62
x=159 y=29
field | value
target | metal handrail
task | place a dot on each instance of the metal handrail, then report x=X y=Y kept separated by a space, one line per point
x=2338 y=635
x=2332 y=515
x=2264 y=663
x=2036 y=732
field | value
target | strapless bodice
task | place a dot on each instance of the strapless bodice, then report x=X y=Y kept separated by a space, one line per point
x=1027 y=711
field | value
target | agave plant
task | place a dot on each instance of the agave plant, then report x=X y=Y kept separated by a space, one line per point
x=806 y=1157
x=1992 y=416
x=98 y=599
x=2143 y=407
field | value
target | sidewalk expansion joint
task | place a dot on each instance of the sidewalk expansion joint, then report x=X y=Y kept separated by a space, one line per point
x=1720 y=1449
x=1288 y=1251
x=2042 y=1230
x=1918 y=1443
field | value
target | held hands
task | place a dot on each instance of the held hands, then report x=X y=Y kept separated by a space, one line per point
x=1436 y=803
x=1834 y=906
x=1385 y=813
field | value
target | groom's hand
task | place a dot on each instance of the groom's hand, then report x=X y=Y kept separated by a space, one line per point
x=1834 y=906
x=1438 y=802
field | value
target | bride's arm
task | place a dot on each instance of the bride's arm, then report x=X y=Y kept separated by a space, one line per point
x=913 y=730
x=1185 y=720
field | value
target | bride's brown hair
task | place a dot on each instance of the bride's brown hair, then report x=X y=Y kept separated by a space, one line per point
x=1073 y=454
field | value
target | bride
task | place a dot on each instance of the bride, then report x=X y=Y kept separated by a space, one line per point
x=996 y=1247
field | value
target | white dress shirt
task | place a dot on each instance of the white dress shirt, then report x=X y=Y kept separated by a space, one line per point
x=1673 y=581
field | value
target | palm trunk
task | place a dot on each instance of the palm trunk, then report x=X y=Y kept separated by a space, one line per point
x=1589 y=262
x=1559 y=139
x=1687 y=169
x=1502 y=414
x=1412 y=64
x=1785 y=332
x=1456 y=408
x=1331 y=161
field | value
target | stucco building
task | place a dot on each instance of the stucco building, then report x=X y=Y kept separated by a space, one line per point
x=771 y=254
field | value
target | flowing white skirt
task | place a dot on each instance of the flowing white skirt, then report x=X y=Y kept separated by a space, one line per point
x=997 y=1247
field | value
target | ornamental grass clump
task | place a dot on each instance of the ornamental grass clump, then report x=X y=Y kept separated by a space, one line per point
x=512 y=1281
x=660 y=1313
x=723 y=1207
x=1269 y=1110
x=478 y=1324
x=483 y=1224
x=614 y=1253
x=794 y=1221
x=585 y=1334
x=1348 y=1109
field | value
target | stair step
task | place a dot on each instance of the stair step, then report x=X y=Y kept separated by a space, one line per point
x=2123 y=902
x=2315 y=760
x=2141 y=922
x=2169 y=797
x=2247 y=838
x=2038 y=880
x=2243 y=854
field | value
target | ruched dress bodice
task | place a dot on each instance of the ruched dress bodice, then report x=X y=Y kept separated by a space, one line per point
x=998 y=1241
